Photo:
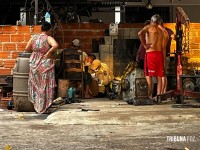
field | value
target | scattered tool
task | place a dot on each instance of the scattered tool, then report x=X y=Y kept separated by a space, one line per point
x=84 y=109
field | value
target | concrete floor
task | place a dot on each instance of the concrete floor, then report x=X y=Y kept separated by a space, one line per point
x=107 y=125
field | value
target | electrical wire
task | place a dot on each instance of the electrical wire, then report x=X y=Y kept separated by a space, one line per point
x=40 y=3
x=30 y=16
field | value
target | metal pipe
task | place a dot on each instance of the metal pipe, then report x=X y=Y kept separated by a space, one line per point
x=36 y=13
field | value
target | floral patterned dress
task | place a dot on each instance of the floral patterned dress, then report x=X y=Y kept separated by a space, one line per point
x=41 y=80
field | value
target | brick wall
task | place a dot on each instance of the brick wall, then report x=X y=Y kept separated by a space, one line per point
x=84 y=31
x=13 y=39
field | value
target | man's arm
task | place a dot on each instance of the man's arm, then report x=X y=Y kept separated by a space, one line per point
x=166 y=36
x=173 y=36
x=142 y=36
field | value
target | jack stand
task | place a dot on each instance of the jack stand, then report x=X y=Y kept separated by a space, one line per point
x=179 y=99
x=181 y=19
x=163 y=97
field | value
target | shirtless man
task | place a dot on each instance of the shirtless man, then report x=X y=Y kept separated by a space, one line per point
x=155 y=45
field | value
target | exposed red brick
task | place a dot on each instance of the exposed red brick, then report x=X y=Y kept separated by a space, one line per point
x=1 y=46
x=9 y=63
x=5 y=37
x=84 y=40
x=14 y=55
x=1 y=30
x=66 y=45
x=1 y=62
x=27 y=37
x=64 y=26
x=61 y=44
x=87 y=48
x=4 y=55
x=23 y=29
x=86 y=32
x=80 y=33
x=70 y=26
x=9 y=60
x=130 y=25
x=9 y=46
x=37 y=29
x=58 y=37
x=85 y=26
x=17 y=37
x=9 y=29
x=21 y=46
x=5 y=71
x=93 y=26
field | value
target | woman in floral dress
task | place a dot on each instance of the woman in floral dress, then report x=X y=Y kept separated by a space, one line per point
x=41 y=80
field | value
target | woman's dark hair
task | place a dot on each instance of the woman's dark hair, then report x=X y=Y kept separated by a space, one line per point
x=92 y=56
x=46 y=26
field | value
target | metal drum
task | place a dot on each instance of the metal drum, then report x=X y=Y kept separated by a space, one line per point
x=20 y=84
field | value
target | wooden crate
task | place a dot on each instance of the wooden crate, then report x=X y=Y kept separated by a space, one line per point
x=63 y=86
x=4 y=102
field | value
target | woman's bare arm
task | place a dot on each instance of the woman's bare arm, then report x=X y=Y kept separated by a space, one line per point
x=54 y=45
x=28 y=46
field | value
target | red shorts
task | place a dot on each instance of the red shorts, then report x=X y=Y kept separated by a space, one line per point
x=153 y=64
